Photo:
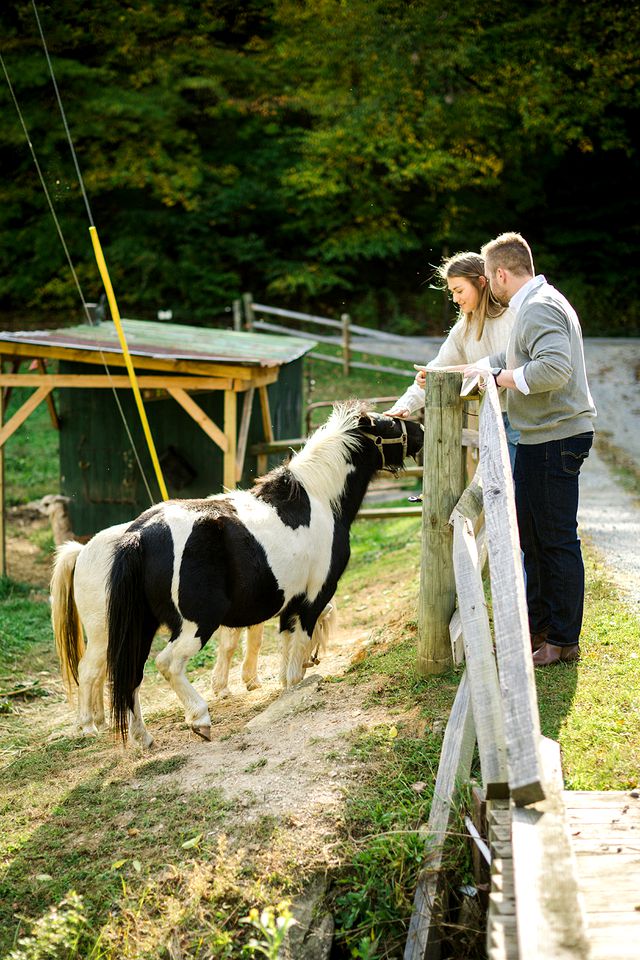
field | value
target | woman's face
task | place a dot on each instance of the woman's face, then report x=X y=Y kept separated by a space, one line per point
x=463 y=292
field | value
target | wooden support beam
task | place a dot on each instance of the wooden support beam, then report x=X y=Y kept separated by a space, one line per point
x=511 y=622
x=84 y=380
x=267 y=427
x=53 y=413
x=230 y=428
x=423 y=941
x=197 y=413
x=481 y=664
x=21 y=415
x=113 y=357
x=243 y=433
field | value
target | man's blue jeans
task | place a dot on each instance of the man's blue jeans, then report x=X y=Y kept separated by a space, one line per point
x=546 y=482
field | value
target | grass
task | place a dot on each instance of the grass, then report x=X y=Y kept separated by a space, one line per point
x=31 y=454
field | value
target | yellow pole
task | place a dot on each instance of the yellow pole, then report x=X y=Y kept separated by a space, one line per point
x=115 y=313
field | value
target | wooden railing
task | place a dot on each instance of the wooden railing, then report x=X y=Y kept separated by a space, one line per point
x=247 y=315
x=496 y=703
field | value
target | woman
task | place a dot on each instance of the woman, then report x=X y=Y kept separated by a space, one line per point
x=481 y=330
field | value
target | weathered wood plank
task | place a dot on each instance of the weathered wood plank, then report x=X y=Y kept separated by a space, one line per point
x=513 y=648
x=455 y=766
x=481 y=665
x=443 y=483
x=594 y=840
x=550 y=912
x=455 y=638
x=502 y=943
x=471 y=503
x=592 y=798
x=621 y=868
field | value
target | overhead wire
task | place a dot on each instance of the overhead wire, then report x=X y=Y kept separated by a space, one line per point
x=104 y=273
x=74 y=273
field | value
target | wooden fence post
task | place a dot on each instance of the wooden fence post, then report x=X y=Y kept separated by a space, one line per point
x=249 y=315
x=346 y=343
x=442 y=487
x=237 y=314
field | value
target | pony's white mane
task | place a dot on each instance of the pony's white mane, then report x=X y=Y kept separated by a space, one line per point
x=322 y=465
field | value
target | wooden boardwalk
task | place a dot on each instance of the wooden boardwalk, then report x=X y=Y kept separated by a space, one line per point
x=605 y=836
x=604 y=831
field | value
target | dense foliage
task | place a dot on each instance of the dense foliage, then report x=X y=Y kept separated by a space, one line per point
x=320 y=153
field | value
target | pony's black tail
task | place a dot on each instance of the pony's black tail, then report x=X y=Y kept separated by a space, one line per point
x=128 y=628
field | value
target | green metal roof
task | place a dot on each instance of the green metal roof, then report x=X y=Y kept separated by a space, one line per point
x=172 y=340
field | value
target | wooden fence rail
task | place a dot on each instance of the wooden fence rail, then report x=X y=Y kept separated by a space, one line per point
x=496 y=706
x=246 y=315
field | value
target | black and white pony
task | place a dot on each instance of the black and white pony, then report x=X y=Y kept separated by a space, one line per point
x=236 y=560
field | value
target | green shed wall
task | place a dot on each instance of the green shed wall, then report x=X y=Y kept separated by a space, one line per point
x=98 y=468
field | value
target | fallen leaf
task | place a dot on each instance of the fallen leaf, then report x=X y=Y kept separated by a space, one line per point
x=193 y=842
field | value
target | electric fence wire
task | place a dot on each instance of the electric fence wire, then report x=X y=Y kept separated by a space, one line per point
x=59 y=228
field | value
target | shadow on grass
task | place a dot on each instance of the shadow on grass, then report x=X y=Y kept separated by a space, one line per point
x=116 y=841
x=556 y=688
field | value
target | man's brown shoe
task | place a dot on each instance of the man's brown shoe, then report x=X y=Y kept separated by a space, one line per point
x=549 y=654
x=537 y=640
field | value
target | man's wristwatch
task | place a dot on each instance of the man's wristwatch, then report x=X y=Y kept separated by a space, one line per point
x=495 y=372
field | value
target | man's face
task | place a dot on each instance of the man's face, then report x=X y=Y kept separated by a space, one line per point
x=497 y=282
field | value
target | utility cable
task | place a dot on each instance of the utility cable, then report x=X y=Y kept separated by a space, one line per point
x=104 y=273
x=74 y=274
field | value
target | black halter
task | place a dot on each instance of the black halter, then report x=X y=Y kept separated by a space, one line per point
x=381 y=441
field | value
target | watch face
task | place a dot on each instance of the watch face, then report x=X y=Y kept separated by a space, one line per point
x=496 y=370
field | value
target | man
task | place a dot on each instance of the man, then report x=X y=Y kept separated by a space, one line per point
x=549 y=402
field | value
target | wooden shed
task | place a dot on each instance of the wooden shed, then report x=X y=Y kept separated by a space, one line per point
x=209 y=394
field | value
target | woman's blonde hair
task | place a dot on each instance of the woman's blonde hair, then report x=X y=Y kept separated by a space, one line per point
x=470 y=266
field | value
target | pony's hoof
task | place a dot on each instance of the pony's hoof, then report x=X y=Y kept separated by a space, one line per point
x=202 y=731
x=144 y=743
x=253 y=684
x=88 y=730
x=222 y=694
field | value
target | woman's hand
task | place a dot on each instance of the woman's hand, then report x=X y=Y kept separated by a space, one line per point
x=402 y=414
x=473 y=370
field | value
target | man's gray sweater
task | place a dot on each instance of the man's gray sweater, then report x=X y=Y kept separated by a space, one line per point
x=547 y=341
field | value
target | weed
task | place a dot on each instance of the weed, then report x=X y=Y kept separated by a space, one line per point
x=55 y=934
x=156 y=768
x=257 y=765
x=272 y=925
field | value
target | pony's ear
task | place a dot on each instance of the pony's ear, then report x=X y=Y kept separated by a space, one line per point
x=367 y=420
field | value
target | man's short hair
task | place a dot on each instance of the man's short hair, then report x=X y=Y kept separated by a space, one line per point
x=511 y=252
